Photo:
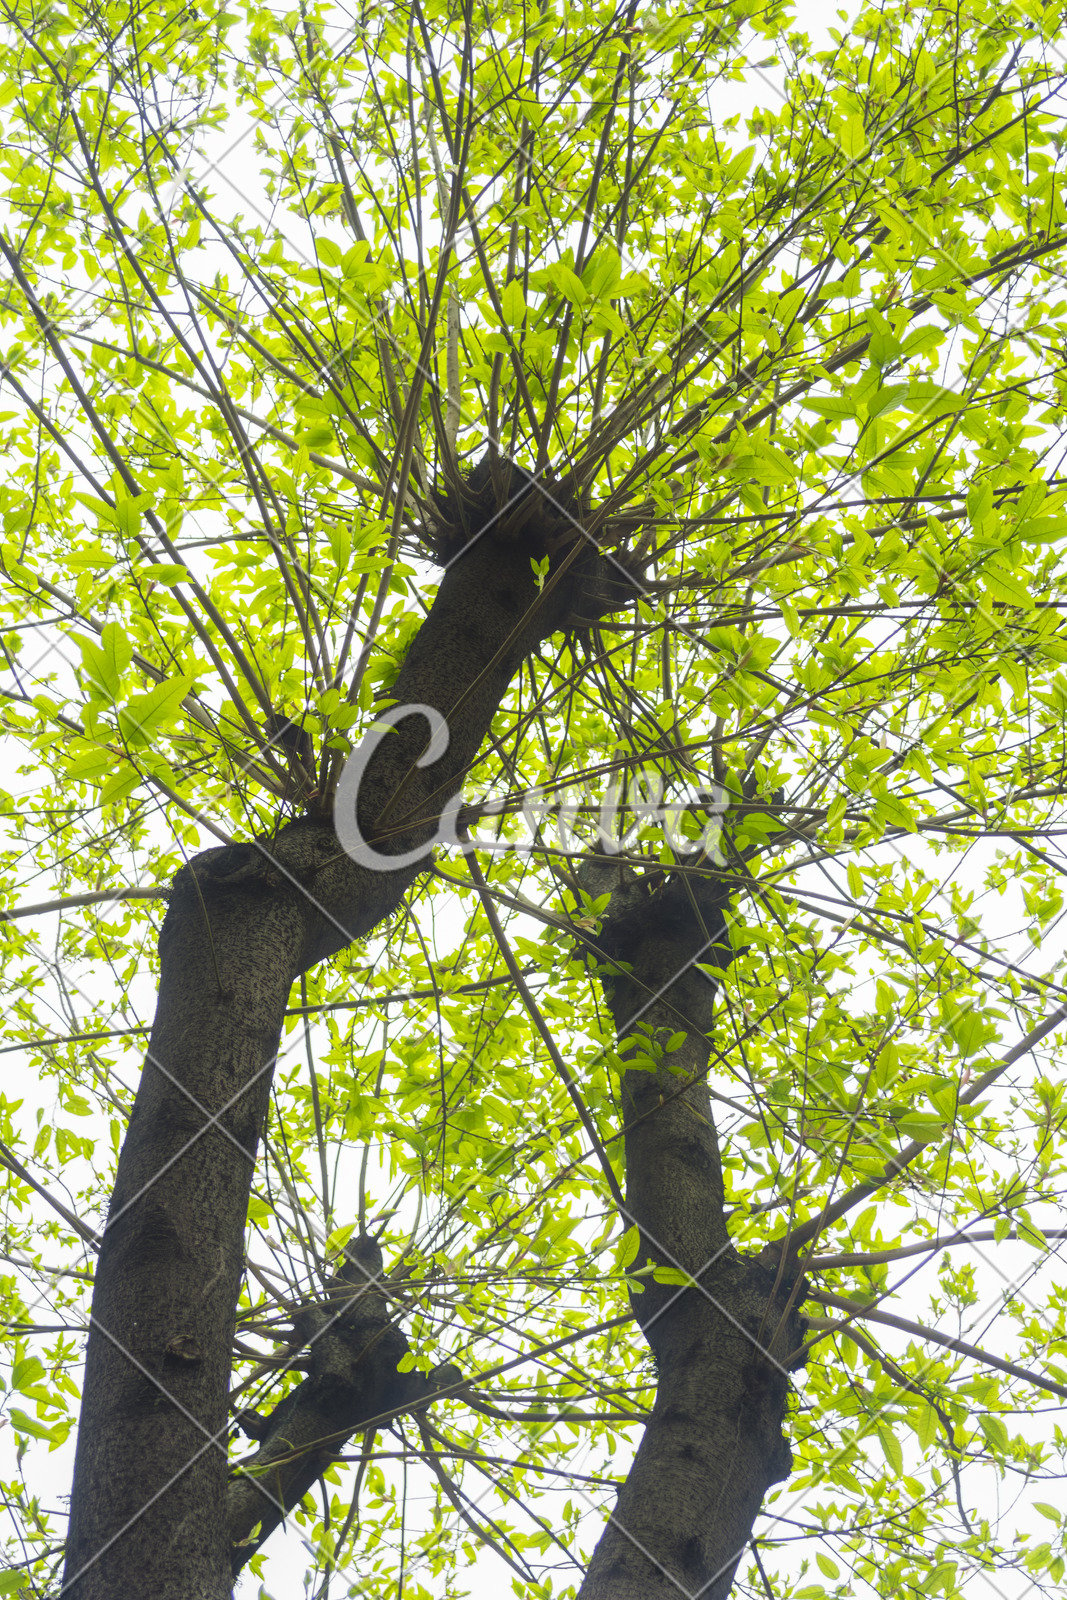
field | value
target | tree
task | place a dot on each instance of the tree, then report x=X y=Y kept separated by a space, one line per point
x=618 y=1098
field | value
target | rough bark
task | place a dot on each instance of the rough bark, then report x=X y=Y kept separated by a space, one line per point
x=149 y=1506
x=713 y=1444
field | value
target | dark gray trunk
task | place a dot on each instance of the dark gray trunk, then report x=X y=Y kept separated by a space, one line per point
x=150 y=1512
x=148 y=1509
x=714 y=1442
x=149 y=1506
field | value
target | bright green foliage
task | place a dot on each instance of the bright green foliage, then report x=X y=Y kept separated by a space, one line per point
x=788 y=314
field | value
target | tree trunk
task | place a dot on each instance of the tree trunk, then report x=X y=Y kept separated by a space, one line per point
x=713 y=1444
x=149 y=1506
x=150 y=1513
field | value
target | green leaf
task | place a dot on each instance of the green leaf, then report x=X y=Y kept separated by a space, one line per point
x=512 y=303
x=146 y=715
x=674 y=1277
x=969 y=1030
x=29 y=1370
x=925 y=1422
x=168 y=572
x=1042 y=530
x=105 y=664
x=891 y=1447
x=996 y=1434
x=602 y=274
x=1029 y=1232
x=122 y=783
x=775 y=320
x=23 y=1423
x=567 y=281
x=91 y=762
x=628 y=1248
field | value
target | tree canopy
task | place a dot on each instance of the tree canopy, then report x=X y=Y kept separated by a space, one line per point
x=676 y=403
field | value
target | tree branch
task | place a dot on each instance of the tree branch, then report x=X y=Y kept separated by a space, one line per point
x=355 y=1349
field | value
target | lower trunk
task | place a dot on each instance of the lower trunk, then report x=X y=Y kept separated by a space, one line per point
x=711 y=1448
x=151 y=1462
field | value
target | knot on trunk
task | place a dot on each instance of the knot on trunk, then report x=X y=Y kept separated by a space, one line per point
x=734 y=1339
x=685 y=910
x=509 y=504
x=354 y=1352
x=546 y=520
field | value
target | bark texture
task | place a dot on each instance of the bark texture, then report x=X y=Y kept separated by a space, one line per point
x=714 y=1442
x=149 y=1505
